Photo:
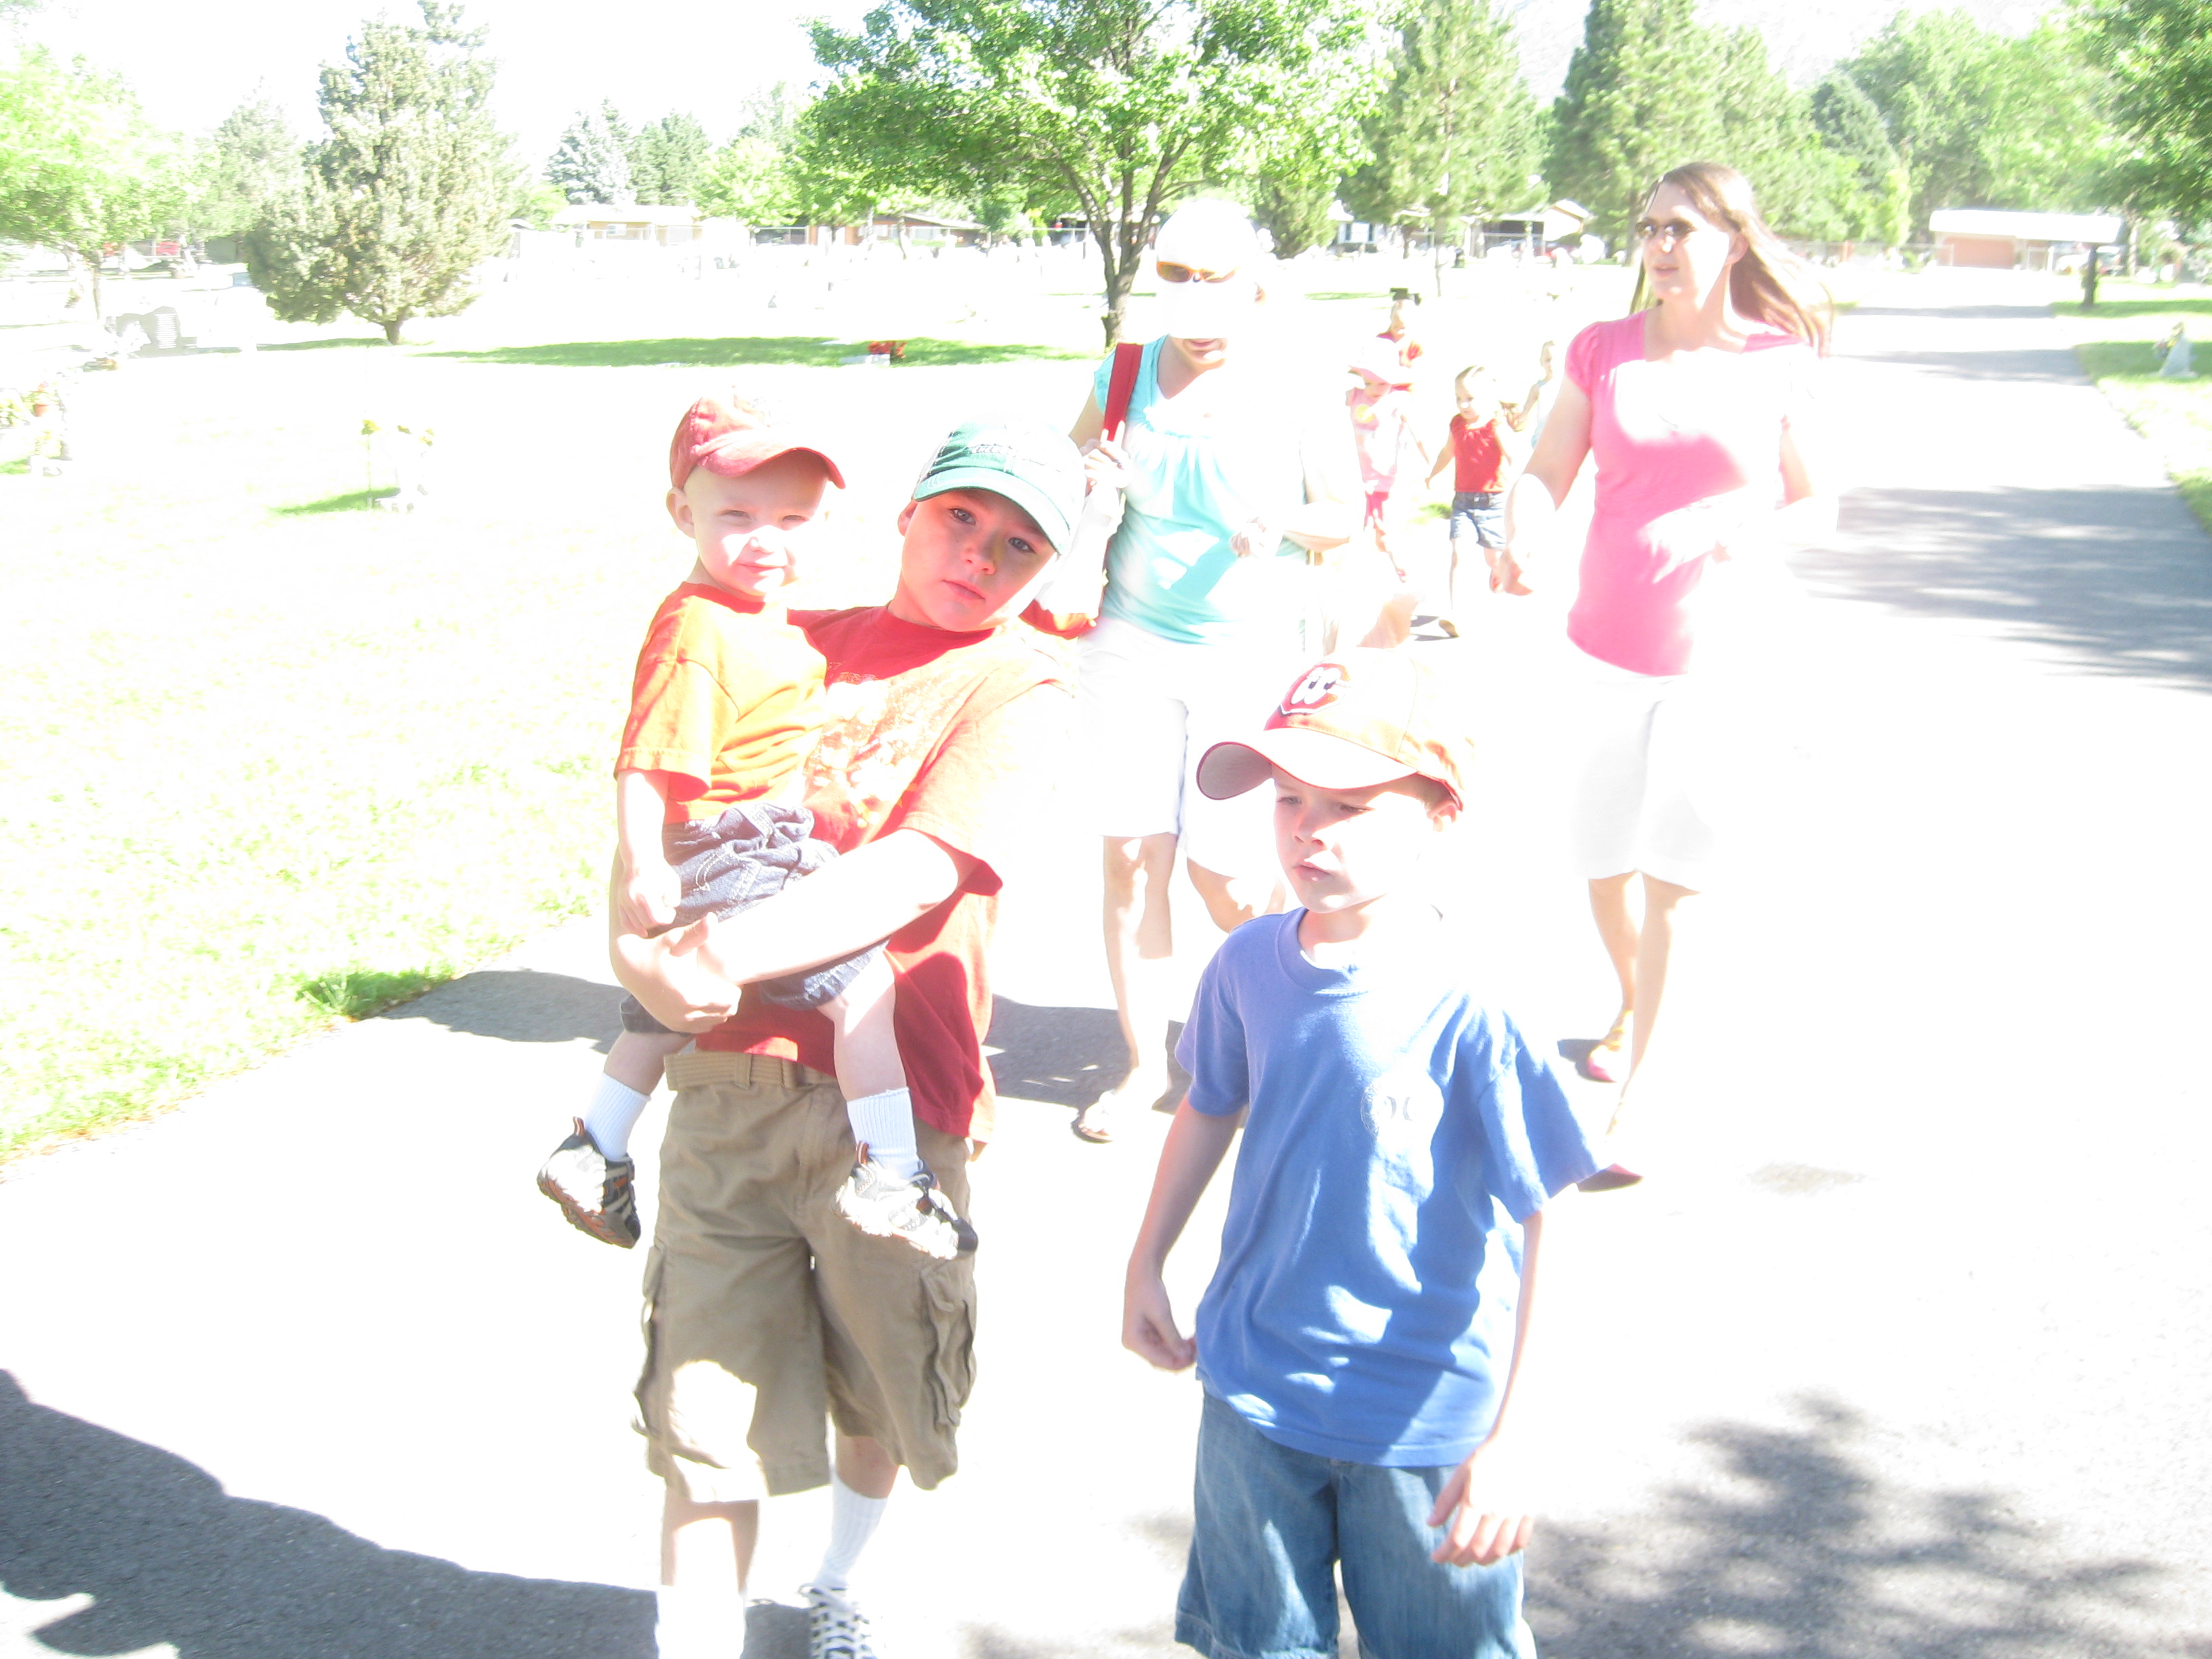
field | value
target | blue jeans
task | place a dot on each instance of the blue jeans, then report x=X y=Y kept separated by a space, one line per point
x=1482 y=517
x=1272 y=1523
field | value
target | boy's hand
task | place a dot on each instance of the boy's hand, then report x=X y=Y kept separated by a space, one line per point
x=1483 y=1511
x=647 y=898
x=1148 y=1327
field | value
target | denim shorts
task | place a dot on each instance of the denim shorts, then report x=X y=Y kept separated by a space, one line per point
x=1272 y=1523
x=1481 y=516
x=732 y=863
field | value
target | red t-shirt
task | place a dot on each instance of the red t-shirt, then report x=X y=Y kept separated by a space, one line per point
x=727 y=697
x=1478 y=457
x=954 y=735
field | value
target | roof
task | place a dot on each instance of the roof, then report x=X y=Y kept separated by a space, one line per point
x=2028 y=227
x=889 y=218
x=603 y=213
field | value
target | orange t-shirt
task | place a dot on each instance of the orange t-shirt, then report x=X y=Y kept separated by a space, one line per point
x=957 y=735
x=727 y=700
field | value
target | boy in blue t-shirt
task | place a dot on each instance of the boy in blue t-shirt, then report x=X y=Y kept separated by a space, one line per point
x=1360 y=1337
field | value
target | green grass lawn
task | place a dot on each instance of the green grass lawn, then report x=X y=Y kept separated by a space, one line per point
x=270 y=760
x=2118 y=344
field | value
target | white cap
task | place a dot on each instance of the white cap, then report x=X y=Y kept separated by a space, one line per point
x=1210 y=233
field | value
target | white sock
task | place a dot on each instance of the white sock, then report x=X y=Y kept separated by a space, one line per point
x=698 y=1622
x=853 y=1522
x=886 y=1122
x=613 y=1113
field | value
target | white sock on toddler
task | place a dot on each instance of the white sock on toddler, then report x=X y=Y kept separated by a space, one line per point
x=885 y=1122
x=853 y=1522
x=613 y=1113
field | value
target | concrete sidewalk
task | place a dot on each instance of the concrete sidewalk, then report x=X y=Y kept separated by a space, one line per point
x=1903 y=1354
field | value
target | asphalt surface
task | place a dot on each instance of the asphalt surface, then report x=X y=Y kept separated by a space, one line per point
x=1904 y=1351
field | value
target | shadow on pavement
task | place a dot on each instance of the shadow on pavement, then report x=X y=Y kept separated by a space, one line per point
x=168 y=1556
x=1064 y=1056
x=2007 y=364
x=521 y=1007
x=2119 y=579
x=1990 y=313
x=1802 y=1552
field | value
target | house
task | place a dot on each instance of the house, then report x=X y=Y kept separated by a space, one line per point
x=598 y=222
x=1538 y=227
x=915 y=229
x=2000 y=239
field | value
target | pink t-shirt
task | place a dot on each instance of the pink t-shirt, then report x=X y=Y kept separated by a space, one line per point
x=1684 y=450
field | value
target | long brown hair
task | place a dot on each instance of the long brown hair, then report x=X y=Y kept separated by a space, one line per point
x=1769 y=283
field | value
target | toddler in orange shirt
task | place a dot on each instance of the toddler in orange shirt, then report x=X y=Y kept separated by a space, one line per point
x=725 y=704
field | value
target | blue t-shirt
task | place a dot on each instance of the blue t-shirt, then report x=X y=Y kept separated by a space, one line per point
x=1400 y=1131
x=1194 y=480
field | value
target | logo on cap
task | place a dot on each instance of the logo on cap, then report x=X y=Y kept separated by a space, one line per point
x=1317 y=688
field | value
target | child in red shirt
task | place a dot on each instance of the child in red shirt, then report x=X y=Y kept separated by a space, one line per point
x=1482 y=447
x=725 y=709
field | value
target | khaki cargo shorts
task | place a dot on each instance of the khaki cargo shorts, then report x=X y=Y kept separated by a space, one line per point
x=767 y=1313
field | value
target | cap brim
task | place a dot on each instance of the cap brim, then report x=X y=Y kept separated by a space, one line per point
x=1314 y=757
x=736 y=453
x=1050 y=516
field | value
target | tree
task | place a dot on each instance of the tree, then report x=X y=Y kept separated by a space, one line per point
x=251 y=158
x=587 y=166
x=679 y=152
x=1768 y=134
x=1851 y=126
x=2158 y=54
x=1291 y=197
x=1453 y=136
x=1120 y=104
x=748 y=180
x=408 y=192
x=1641 y=96
x=81 y=166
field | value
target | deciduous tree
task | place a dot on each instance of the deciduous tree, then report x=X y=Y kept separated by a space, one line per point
x=2159 y=54
x=1120 y=104
x=251 y=159
x=407 y=192
x=80 y=165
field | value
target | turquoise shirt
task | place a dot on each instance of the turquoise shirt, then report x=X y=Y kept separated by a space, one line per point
x=1195 y=478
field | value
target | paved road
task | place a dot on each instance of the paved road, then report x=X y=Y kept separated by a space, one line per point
x=1905 y=1355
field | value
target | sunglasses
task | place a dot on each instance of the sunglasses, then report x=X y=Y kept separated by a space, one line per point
x=1171 y=272
x=1672 y=233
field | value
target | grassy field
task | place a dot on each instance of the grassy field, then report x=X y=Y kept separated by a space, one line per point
x=2118 y=343
x=272 y=760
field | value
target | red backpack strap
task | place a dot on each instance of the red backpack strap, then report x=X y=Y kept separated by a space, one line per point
x=1122 y=387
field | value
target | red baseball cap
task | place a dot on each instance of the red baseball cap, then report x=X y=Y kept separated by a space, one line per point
x=731 y=438
x=1350 y=721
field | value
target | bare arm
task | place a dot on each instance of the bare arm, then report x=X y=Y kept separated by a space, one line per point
x=1807 y=516
x=1193 y=1151
x=688 y=978
x=1532 y=506
x=1483 y=1529
x=644 y=888
x=1079 y=575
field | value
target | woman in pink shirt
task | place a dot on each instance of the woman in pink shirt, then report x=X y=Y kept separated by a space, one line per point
x=1699 y=408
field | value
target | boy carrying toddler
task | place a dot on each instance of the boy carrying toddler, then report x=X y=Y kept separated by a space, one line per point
x=727 y=703
x=1359 y=1339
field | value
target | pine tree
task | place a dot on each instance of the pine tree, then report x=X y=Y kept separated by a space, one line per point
x=1453 y=135
x=1850 y=124
x=251 y=159
x=406 y=194
x=683 y=150
x=587 y=166
x=1641 y=96
x=642 y=151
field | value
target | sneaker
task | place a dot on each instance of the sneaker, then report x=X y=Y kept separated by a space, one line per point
x=596 y=1193
x=877 y=1201
x=835 y=1628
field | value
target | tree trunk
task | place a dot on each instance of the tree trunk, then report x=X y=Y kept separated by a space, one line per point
x=391 y=331
x=1121 y=278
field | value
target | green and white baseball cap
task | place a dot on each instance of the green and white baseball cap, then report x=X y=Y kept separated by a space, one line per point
x=1032 y=464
